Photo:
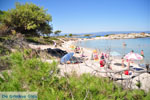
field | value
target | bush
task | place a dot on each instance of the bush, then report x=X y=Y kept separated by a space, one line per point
x=42 y=40
x=70 y=35
x=106 y=35
x=4 y=50
x=3 y=30
x=34 y=75
x=87 y=35
x=98 y=36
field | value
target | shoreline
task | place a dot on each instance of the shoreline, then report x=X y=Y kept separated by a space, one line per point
x=88 y=51
x=121 y=36
x=122 y=50
x=93 y=67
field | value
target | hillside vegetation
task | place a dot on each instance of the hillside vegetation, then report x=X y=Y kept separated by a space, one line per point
x=31 y=74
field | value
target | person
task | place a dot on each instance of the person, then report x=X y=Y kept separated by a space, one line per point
x=55 y=44
x=147 y=67
x=124 y=44
x=95 y=56
x=82 y=53
x=92 y=58
x=122 y=60
x=102 y=61
x=76 y=49
x=109 y=67
x=126 y=72
x=142 y=53
x=102 y=54
x=132 y=51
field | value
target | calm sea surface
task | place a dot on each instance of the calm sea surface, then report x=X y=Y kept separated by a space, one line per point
x=117 y=45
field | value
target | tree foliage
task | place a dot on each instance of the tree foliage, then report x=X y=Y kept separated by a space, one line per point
x=70 y=35
x=27 y=19
x=57 y=32
x=1 y=14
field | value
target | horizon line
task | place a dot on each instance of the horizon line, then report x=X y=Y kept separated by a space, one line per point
x=101 y=31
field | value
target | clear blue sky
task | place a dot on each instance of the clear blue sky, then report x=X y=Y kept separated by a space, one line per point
x=85 y=16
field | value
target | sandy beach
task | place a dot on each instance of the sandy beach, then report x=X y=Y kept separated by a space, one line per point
x=93 y=67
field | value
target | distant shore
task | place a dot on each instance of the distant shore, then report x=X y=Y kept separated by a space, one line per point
x=120 y=36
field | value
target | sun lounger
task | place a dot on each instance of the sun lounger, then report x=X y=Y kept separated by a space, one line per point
x=119 y=64
x=138 y=69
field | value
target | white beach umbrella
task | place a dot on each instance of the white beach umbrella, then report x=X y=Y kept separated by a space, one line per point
x=133 y=56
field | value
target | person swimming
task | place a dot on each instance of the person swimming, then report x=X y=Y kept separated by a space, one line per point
x=124 y=44
x=132 y=51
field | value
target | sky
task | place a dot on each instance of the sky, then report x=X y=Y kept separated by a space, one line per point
x=85 y=16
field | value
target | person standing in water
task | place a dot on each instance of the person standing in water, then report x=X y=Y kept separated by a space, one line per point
x=124 y=44
x=132 y=51
x=142 y=53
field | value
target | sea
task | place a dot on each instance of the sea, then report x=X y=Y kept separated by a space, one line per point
x=116 y=45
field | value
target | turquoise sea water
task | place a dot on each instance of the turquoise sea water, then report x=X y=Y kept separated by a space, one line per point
x=117 y=45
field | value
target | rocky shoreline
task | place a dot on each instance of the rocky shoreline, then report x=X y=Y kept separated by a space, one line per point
x=128 y=36
x=121 y=36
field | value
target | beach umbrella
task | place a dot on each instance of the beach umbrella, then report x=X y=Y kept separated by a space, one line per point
x=66 y=57
x=114 y=53
x=133 y=56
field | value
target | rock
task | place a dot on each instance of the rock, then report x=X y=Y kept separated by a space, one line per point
x=56 y=52
x=127 y=36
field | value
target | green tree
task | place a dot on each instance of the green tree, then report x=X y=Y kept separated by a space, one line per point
x=27 y=19
x=57 y=32
x=70 y=35
x=1 y=15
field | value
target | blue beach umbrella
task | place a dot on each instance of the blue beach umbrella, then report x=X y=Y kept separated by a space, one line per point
x=114 y=53
x=66 y=57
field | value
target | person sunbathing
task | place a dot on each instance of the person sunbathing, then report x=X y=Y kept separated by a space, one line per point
x=82 y=53
x=77 y=49
x=102 y=62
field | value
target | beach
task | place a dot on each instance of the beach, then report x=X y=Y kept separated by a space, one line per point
x=93 y=67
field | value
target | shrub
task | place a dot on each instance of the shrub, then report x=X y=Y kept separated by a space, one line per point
x=34 y=75
x=44 y=40
x=4 y=50
x=70 y=35
x=106 y=35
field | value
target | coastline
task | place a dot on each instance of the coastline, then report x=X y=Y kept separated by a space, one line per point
x=119 y=36
x=93 y=67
